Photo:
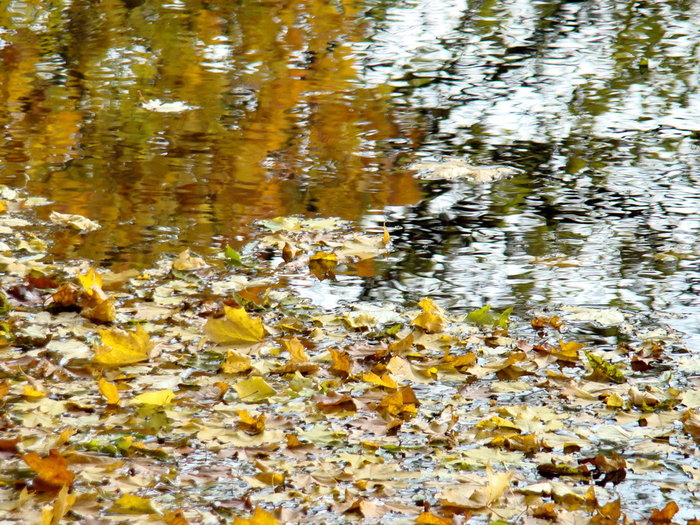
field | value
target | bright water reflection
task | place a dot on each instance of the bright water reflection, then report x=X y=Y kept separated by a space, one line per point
x=314 y=108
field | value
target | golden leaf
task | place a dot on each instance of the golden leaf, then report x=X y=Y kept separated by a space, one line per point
x=158 y=398
x=61 y=506
x=52 y=471
x=250 y=424
x=130 y=503
x=32 y=393
x=92 y=284
x=176 y=517
x=427 y=518
x=342 y=363
x=235 y=363
x=322 y=265
x=109 y=391
x=123 y=348
x=259 y=517
x=385 y=380
x=254 y=389
x=237 y=327
x=296 y=350
x=432 y=319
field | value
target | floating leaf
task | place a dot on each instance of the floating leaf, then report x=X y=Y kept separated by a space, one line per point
x=251 y=424
x=63 y=503
x=297 y=352
x=232 y=256
x=451 y=169
x=52 y=471
x=109 y=391
x=237 y=327
x=102 y=312
x=123 y=348
x=604 y=368
x=432 y=319
x=235 y=363
x=78 y=222
x=131 y=503
x=92 y=284
x=482 y=317
x=253 y=390
x=186 y=262
x=157 y=398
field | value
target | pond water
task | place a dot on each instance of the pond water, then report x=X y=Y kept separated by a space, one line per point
x=317 y=108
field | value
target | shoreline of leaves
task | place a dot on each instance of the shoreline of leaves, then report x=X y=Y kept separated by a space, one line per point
x=376 y=411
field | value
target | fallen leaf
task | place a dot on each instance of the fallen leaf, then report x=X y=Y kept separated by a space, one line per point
x=185 y=262
x=432 y=318
x=78 y=222
x=253 y=390
x=259 y=517
x=132 y=504
x=237 y=327
x=157 y=398
x=235 y=363
x=123 y=348
x=52 y=471
x=109 y=391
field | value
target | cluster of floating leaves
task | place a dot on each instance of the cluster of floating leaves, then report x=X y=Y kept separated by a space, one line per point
x=205 y=391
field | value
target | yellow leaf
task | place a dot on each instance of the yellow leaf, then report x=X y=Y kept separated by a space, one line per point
x=176 y=517
x=235 y=363
x=159 y=398
x=109 y=391
x=253 y=390
x=123 y=348
x=92 y=284
x=32 y=393
x=259 y=517
x=61 y=505
x=129 y=503
x=432 y=319
x=386 y=237
x=385 y=380
x=252 y=425
x=270 y=478
x=296 y=350
x=237 y=327
x=427 y=518
x=342 y=363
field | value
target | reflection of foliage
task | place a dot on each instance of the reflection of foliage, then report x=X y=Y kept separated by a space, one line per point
x=275 y=88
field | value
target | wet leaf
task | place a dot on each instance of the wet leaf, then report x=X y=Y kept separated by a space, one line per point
x=477 y=496
x=77 y=222
x=123 y=348
x=232 y=256
x=665 y=515
x=605 y=369
x=133 y=504
x=61 y=505
x=185 y=262
x=483 y=317
x=451 y=169
x=92 y=284
x=342 y=363
x=297 y=352
x=109 y=391
x=254 y=390
x=52 y=471
x=428 y=518
x=235 y=363
x=432 y=318
x=157 y=398
x=237 y=327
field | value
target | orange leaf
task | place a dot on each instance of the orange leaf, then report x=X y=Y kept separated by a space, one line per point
x=342 y=363
x=664 y=516
x=52 y=471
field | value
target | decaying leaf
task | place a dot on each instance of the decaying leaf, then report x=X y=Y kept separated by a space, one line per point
x=237 y=327
x=450 y=169
x=604 y=369
x=186 y=262
x=323 y=264
x=75 y=221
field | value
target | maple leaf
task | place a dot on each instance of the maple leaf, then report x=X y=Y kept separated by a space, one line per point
x=92 y=284
x=235 y=363
x=432 y=318
x=123 y=348
x=52 y=471
x=665 y=515
x=237 y=327
x=297 y=352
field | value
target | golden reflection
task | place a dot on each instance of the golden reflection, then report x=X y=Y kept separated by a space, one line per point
x=281 y=121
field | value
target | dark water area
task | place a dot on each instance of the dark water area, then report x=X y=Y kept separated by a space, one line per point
x=317 y=108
